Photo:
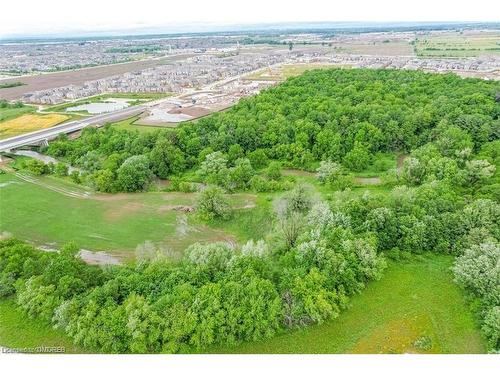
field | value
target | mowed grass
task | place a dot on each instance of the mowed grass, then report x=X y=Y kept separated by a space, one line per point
x=28 y=123
x=115 y=223
x=415 y=299
x=18 y=331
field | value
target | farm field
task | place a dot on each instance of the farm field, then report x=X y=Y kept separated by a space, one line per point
x=415 y=299
x=455 y=44
x=28 y=123
x=11 y=112
x=282 y=72
x=113 y=223
x=76 y=77
x=384 y=48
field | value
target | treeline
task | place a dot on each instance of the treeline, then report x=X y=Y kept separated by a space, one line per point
x=215 y=295
x=444 y=199
x=10 y=84
x=4 y=104
x=341 y=115
x=133 y=49
x=317 y=255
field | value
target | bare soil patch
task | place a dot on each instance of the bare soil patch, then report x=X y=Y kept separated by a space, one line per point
x=298 y=172
x=368 y=180
x=77 y=77
x=99 y=258
x=191 y=111
x=400 y=160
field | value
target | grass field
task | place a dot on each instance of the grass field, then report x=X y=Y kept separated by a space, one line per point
x=10 y=113
x=129 y=124
x=415 y=300
x=115 y=223
x=283 y=72
x=28 y=123
x=19 y=331
x=454 y=44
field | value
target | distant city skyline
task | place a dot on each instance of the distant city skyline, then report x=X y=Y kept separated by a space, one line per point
x=108 y=17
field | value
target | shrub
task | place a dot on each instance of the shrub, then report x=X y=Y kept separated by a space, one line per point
x=273 y=171
x=75 y=177
x=212 y=204
x=358 y=158
x=477 y=270
x=328 y=172
x=214 y=168
x=61 y=169
x=37 y=167
x=491 y=327
x=134 y=174
x=423 y=343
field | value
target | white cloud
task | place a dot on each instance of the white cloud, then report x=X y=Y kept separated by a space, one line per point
x=48 y=16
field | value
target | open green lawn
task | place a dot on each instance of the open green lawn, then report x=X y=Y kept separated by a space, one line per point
x=43 y=214
x=415 y=299
x=19 y=331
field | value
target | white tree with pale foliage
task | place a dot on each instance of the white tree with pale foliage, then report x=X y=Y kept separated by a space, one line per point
x=478 y=270
x=477 y=171
x=255 y=248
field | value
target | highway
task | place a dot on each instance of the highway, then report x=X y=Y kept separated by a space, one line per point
x=38 y=136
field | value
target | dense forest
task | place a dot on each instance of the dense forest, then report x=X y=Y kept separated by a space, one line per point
x=320 y=251
x=345 y=116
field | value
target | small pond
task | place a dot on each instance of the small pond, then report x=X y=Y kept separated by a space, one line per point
x=109 y=105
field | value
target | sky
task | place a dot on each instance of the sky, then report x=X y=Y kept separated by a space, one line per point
x=32 y=17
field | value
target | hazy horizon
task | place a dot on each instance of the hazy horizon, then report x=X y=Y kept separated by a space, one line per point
x=207 y=28
x=105 y=18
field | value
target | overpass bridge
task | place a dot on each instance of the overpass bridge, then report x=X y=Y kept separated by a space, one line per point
x=41 y=137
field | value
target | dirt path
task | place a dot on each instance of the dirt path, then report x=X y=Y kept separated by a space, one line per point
x=400 y=161
x=368 y=180
x=66 y=192
x=99 y=258
x=298 y=172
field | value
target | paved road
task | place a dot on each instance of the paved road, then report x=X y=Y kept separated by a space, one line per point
x=68 y=127
x=72 y=126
